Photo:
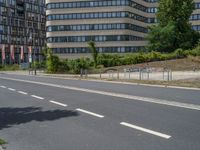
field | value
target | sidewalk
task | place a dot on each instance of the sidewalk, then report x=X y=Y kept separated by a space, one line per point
x=184 y=79
x=155 y=76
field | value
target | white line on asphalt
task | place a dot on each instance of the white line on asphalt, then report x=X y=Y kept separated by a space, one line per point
x=119 y=95
x=3 y=87
x=146 y=130
x=90 y=113
x=58 y=103
x=21 y=92
x=115 y=82
x=38 y=97
x=11 y=89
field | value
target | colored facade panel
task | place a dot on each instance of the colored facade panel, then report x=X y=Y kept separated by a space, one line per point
x=22 y=24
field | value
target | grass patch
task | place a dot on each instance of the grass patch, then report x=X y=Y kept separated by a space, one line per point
x=185 y=64
x=2 y=142
x=9 y=67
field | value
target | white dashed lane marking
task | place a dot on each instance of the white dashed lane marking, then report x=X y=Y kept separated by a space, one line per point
x=58 y=103
x=21 y=92
x=38 y=97
x=90 y=113
x=119 y=95
x=11 y=89
x=3 y=87
x=146 y=130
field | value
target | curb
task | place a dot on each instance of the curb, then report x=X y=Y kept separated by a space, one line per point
x=2 y=147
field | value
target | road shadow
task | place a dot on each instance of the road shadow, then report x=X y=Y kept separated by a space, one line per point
x=15 y=116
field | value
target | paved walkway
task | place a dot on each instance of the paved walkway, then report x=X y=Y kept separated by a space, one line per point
x=176 y=75
x=160 y=76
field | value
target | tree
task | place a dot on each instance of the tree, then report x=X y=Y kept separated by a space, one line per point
x=52 y=61
x=94 y=51
x=45 y=51
x=160 y=38
x=173 y=30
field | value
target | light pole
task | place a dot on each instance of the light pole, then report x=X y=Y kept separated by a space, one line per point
x=34 y=58
x=29 y=52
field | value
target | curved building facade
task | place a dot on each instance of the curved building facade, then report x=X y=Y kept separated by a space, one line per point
x=116 y=26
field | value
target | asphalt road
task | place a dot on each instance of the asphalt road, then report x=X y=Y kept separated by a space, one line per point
x=40 y=115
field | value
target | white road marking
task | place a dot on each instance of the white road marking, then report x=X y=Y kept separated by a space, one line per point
x=116 y=82
x=21 y=92
x=146 y=130
x=185 y=88
x=3 y=87
x=90 y=113
x=58 y=103
x=119 y=95
x=38 y=97
x=11 y=89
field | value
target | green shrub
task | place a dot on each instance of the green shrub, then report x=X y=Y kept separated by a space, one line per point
x=39 y=65
x=13 y=67
x=195 y=51
x=81 y=63
x=2 y=142
x=52 y=64
x=1 y=67
x=179 y=53
x=63 y=66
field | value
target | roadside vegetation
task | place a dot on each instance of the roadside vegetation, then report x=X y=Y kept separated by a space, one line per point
x=55 y=65
x=9 y=67
x=2 y=142
x=173 y=30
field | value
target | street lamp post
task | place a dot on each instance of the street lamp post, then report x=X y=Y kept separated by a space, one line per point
x=29 y=54
x=34 y=60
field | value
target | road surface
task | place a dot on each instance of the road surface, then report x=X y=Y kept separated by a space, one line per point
x=42 y=113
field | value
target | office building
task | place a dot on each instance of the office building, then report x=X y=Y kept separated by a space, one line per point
x=22 y=24
x=116 y=26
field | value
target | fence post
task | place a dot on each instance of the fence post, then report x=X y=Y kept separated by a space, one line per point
x=81 y=72
x=163 y=75
x=86 y=74
x=168 y=75
x=118 y=74
x=112 y=75
x=171 y=75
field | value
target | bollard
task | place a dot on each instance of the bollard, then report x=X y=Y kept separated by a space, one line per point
x=124 y=75
x=170 y=75
x=163 y=75
x=140 y=75
x=81 y=73
x=148 y=75
x=118 y=74
x=86 y=74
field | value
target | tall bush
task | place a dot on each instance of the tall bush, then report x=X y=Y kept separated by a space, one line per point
x=94 y=51
x=52 y=62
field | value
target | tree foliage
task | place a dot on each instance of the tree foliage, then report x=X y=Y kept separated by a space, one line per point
x=94 y=51
x=173 y=30
x=52 y=61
